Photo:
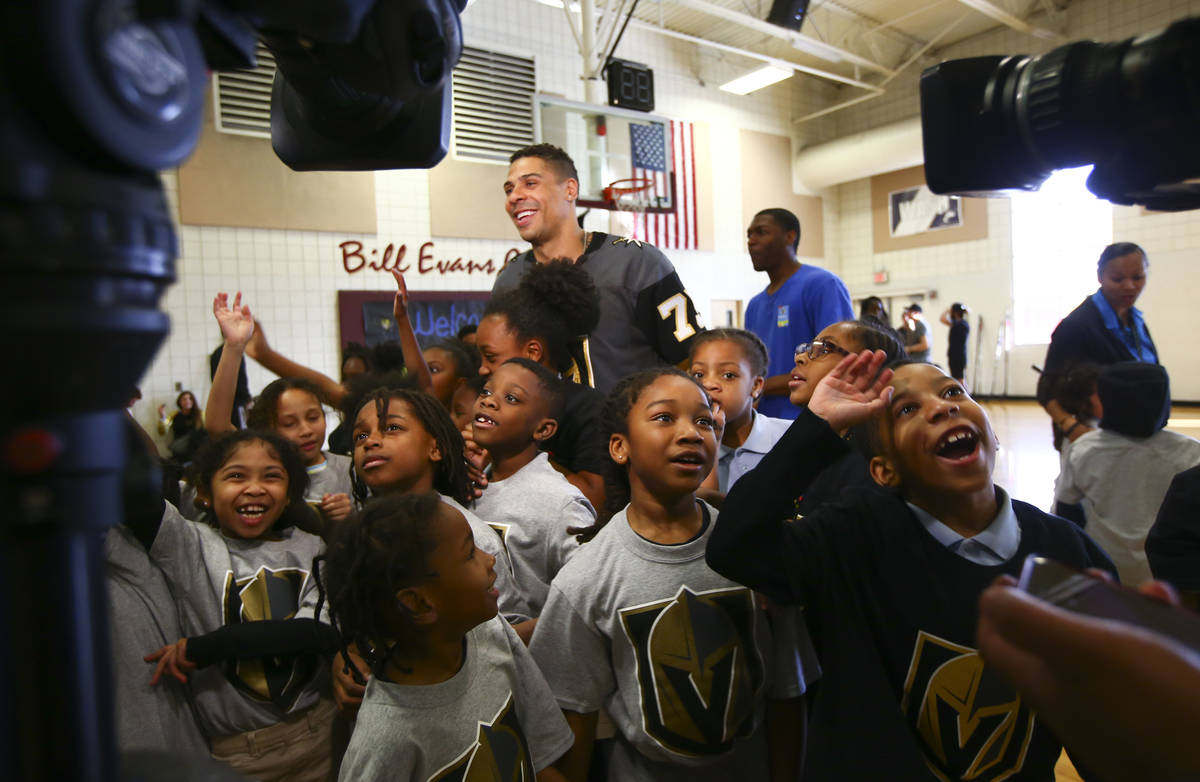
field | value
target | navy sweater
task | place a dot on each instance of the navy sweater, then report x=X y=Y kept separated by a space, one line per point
x=1081 y=337
x=893 y=614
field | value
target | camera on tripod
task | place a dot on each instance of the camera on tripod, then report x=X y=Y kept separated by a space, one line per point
x=1132 y=108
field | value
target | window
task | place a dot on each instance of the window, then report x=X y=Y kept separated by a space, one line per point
x=1057 y=235
x=493 y=104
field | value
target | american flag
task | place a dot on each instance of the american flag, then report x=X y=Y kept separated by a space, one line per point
x=677 y=230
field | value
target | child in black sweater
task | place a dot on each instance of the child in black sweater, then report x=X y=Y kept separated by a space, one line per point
x=890 y=582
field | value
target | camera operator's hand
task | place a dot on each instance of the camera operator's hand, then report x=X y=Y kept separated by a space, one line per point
x=1123 y=700
x=236 y=322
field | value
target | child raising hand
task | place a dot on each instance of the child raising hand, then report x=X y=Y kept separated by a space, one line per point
x=289 y=406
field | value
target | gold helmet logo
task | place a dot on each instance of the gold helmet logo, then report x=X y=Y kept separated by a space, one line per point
x=499 y=754
x=268 y=594
x=699 y=670
x=971 y=725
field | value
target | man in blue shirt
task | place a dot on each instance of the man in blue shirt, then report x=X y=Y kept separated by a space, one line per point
x=799 y=301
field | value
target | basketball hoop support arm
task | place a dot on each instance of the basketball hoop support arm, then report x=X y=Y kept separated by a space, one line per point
x=594 y=89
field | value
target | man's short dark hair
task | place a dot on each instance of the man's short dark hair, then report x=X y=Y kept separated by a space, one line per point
x=914 y=307
x=785 y=220
x=556 y=157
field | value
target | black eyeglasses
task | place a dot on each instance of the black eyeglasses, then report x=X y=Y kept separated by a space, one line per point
x=817 y=348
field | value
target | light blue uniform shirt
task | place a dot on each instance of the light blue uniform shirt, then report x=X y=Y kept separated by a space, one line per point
x=733 y=463
x=994 y=546
x=1134 y=337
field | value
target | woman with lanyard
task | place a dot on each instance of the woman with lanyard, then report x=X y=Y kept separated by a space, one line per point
x=1104 y=329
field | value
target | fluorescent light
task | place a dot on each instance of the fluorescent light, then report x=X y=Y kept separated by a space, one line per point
x=756 y=80
x=558 y=4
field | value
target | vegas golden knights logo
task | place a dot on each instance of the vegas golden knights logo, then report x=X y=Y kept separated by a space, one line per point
x=499 y=754
x=502 y=531
x=268 y=594
x=698 y=668
x=970 y=724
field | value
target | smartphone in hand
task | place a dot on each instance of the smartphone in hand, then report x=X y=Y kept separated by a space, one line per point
x=1074 y=590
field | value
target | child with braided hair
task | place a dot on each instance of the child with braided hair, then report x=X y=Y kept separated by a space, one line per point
x=405 y=442
x=453 y=692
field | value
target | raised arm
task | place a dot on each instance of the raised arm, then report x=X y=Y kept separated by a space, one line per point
x=237 y=325
x=752 y=540
x=259 y=350
x=414 y=360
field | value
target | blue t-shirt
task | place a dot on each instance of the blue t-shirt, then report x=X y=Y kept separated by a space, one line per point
x=807 y=302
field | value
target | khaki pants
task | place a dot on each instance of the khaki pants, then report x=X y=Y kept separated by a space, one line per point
x=297 y=749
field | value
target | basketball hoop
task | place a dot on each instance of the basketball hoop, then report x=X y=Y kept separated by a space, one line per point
x=628 y=195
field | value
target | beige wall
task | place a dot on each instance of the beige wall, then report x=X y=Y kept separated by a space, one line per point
x=238 y=182
x=466 y=199
x=767 y=183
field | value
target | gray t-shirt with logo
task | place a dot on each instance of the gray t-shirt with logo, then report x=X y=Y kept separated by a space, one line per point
x=679 y=656
x=494 y=719
x=512 y=603
x=218 y=580
x=532 y=510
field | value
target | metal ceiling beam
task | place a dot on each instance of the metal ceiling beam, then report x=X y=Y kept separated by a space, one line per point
x=822 y=74
x=990 y=9
x=805 y=43
x=867 y=23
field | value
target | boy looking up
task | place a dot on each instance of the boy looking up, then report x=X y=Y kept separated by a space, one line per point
x=529 y=503
x=890 y=582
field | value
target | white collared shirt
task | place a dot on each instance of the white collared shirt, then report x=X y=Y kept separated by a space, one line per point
x=995 y=545
x=733 y=463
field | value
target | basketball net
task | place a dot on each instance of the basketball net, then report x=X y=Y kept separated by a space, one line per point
x=629 y=199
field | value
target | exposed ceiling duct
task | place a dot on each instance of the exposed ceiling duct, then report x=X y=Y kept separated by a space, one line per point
x=862 y=155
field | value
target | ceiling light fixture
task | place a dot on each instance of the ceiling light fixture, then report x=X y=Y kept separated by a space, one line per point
x=757 y=79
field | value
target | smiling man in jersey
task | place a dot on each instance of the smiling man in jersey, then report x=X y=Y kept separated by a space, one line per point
x=646 y=317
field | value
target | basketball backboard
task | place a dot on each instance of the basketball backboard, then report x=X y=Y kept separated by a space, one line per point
x=609 y=144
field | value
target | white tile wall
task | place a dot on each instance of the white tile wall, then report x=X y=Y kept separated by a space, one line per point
x=290 y=278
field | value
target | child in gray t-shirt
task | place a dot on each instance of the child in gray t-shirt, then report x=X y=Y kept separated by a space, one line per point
x=531 y=504
x=639 y=625
x=453 y=694
x=246 y=599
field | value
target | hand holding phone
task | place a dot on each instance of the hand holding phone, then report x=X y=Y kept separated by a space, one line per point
x=1076 y=591
x=1124 y=702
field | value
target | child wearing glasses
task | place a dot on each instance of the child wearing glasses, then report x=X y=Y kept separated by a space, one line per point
x=815 y=360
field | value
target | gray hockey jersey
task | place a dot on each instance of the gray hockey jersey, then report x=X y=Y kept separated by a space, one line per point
x=646 y=316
